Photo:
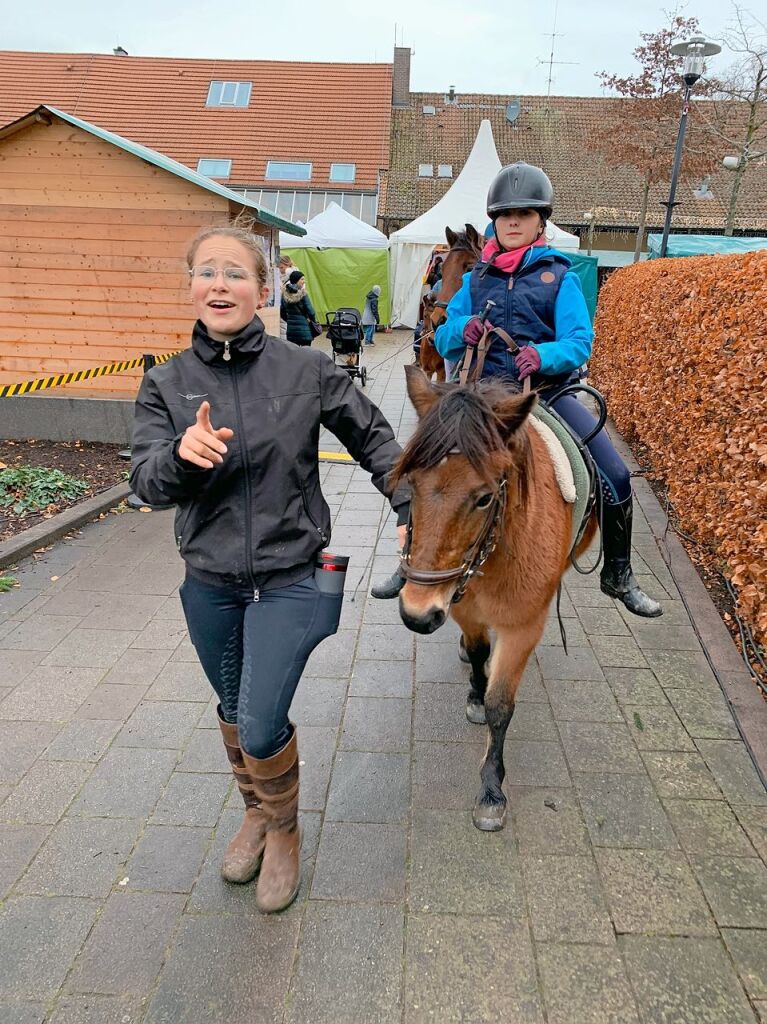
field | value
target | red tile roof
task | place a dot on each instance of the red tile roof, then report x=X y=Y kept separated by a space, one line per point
x=322 y=113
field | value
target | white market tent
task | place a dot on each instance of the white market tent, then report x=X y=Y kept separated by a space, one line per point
x=463 y=203
x=342 y=258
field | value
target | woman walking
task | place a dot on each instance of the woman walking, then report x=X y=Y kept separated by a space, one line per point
x=296 y=309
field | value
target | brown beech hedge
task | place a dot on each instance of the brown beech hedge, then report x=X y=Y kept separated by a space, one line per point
x=681 y=356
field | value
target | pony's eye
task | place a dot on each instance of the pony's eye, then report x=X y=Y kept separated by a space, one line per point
x=484 y=501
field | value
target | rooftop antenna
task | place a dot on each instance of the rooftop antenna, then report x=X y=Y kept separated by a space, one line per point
x=551 y=62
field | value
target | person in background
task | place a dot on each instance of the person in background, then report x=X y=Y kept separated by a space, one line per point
x=285 y=267
x=296 y=309
x=370 y=318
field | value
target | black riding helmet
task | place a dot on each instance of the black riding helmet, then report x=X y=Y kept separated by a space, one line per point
x=520 y=186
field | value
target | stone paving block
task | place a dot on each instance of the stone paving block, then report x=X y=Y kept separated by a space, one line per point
x=137 y=668
x=110 y=703
x=532 y=721
x=121 y=611
x=582 y=700
x=84 y=740
x=736 y=889
x=91 y=648
x=552 y=636
x=180 y=682
x=754 y=821
x=445 y=775
x=604 y=621
x=533 y=763
x=39 y=939
x=585 y=984
x=704 y=719
x=167 y=858
x=565 y=899
x=360 y=862
x=369 y=787
x=635 y=686
x=13 y=601
x=170 y=608
x=190 y=986
x=20 y=745
x=316 y=745
x=456 y=869
x=163 y=578
x=162 y=724
x=160 y=635
x=653 y=892
x=126 y=783
x=126 y=949
x=477 y=969
x=377 y=724
x=92 y=1009
x=618 y=652
x=708 y=827
x=448 y=632
x=580 y=663
x=22 y=1013
x=192 y=799
x=333 y=658
x=677 y=774
x=660 y=636
x=18 y=846
x=393 y=642
x=761 y=1011
x=205 y=753
x=185 y=653
x=349 y=968
x=439 y=663
x=381 y=679
x=50 y=694
x=655 y=727
x=587 y=597
x=379 y=613
x=45 y=792
x=81 y=857
x=748 y=949
x=41 y=633
x=319 y=702
x=682 y=670
x=18 y=664
x=440 y=714
x=733 y=769
x=599 y=747
x=623 y=811
x=547 y=821
x=684 y=981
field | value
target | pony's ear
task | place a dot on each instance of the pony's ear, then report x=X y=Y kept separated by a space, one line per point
x=451 y=237
x=513 y=411
x=473 y=235
x=419 y=388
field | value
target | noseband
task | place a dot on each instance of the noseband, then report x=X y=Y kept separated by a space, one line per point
x=475 y=556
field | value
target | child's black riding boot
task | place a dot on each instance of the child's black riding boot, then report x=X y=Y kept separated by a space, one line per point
x=617 y=579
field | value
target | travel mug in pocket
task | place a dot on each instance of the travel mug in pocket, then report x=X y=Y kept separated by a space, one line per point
x=330 y=572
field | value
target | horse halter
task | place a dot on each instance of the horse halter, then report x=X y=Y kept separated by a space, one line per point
x=474 y=558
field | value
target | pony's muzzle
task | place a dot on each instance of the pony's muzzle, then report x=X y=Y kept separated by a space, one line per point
x=426 y=620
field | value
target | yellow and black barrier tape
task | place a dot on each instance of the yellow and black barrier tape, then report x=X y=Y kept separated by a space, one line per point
x=27 y=387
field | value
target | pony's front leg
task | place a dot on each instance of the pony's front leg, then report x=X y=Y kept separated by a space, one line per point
x=476 y=640
x=512 y=650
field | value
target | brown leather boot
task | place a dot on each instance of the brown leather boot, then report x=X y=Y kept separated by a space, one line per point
x=275 y=781
x=244 y=853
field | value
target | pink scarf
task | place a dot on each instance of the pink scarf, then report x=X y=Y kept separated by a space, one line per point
x=509 y=260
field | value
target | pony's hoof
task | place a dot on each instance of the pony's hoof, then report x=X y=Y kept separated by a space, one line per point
x=489 y=817
x=475 y=713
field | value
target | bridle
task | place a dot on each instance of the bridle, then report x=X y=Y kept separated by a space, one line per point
x=475 y=556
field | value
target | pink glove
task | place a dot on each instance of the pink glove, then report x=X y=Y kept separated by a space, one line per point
x=474 y=330
x=528 y=361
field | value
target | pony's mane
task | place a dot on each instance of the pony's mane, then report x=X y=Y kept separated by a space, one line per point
x=462 y=420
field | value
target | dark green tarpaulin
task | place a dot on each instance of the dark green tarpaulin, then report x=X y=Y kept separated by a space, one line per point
x=586 y=269
x=343 y=277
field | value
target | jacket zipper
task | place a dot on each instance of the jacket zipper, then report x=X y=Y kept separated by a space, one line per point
x=310 y=516
x=246 y=467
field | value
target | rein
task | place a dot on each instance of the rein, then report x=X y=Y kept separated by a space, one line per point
x=475 y=557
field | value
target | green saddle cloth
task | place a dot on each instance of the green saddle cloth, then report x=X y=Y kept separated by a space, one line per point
x=580 y=473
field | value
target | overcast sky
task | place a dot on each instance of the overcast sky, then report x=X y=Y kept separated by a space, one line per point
x=476 y=45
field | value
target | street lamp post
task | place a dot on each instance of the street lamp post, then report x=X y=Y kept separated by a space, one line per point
x=695 y=51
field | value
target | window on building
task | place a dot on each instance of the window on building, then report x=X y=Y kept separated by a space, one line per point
x=445 y=171
x=429 y=109
x=301 y=207
x=343 y=172
x=214 y=168
x=368 y=213
x=352 y=203
x=426 y=170
x=287 y=170
x=229 y=94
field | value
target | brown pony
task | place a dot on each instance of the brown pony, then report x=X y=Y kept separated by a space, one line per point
x=465 y=250
x=487 y=518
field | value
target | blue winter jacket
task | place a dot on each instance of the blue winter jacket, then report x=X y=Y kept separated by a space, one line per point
x=544 y=307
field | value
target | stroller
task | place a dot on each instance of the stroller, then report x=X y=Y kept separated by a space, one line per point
x=345 y=335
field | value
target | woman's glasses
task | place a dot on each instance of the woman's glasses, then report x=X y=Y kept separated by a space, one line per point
x=231 y=274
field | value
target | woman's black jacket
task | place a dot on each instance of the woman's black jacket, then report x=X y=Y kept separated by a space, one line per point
x=259 y=519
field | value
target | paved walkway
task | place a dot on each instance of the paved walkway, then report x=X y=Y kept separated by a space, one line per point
x=629 y=885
